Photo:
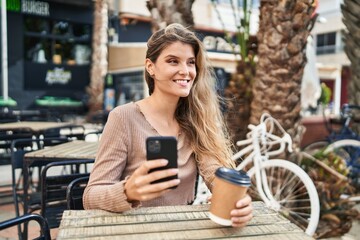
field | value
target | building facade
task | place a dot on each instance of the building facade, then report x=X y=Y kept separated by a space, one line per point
x=132 y=29
x=49 y=49
x=332 y=62
x=49 y=46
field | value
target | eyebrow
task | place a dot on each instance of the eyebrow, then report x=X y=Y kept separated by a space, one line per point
x=173 y=56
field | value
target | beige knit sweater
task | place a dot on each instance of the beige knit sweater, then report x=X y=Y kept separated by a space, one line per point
x=122 y=150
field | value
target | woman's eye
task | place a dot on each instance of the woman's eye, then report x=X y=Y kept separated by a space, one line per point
x=191 y=62
x=172 y=61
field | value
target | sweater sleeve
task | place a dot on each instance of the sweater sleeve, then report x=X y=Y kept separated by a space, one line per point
x=207 y=168
x=105 y=189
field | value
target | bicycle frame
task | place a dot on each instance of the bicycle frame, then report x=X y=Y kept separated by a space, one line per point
x=260 y=152
x=261 y=143
x=345 y=132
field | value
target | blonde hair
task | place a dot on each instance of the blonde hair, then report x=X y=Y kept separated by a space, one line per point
x=198 y=114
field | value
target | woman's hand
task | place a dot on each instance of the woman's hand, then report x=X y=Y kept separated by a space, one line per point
x=138 y=186
x=243 y=212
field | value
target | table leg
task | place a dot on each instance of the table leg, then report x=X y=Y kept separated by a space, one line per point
x=26 y=165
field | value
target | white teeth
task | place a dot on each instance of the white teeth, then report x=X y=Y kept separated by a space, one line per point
x=181 y=81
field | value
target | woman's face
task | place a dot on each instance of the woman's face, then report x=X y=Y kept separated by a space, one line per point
x=174 y=71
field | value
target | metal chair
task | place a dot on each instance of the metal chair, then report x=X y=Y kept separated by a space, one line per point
x=44 y=227
x=6 y=137
x=93 y=136
x=54 y=187
x=19 y=148
x=74 y=193
x=73 y=132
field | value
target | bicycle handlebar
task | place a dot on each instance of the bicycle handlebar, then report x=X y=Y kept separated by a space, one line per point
x=350 y=106
x=264 y=139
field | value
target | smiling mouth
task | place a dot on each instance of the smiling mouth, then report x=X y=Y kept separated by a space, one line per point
x=182 y=81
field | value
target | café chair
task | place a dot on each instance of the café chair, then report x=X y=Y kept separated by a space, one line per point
x=54 y=186
x=74 y=193
x=19 y=148
x=7 y=117
x=6 y=138
x=93 y=136
x=44 y=227
x=73 y=132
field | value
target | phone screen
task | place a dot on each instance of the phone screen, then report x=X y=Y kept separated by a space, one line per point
x=158 y=147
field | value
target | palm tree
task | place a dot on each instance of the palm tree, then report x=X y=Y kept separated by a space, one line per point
x=351 y=18
x=165 y=12
x=283 y=31
x=99 y=55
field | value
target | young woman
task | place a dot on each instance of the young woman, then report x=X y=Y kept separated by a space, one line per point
x=182 y=103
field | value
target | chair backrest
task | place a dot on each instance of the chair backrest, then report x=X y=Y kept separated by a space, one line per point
x=74 y=193
x=93 y=136
x=45 y=231
x=6 y=138
x=74 y=132
x=54 y=187
x=19 y=148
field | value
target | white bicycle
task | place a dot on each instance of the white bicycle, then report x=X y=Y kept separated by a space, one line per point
x=281 y=184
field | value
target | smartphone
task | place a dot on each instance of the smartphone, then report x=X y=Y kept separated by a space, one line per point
x=162 y=147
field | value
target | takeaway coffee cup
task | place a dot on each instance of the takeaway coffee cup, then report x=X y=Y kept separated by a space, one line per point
x=229 y=187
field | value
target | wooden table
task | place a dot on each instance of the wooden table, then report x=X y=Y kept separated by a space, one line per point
x=36 y=127
x=173 y=222
x=70 y=150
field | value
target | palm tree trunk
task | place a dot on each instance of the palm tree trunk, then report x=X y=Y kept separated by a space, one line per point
x=238 y=99
x=283 y=30
x=99 y=56
x=165 y=12
x=351 y=18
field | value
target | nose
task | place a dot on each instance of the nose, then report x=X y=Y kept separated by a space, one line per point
x=184 y=70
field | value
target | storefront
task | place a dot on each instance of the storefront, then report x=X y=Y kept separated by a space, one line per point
x=126 y=57
x=49 y=49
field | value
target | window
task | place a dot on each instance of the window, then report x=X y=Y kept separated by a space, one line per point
x=326 y=43
x=56 y=41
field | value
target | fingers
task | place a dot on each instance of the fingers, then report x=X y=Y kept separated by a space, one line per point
x=148 y=165
x=243 y=212
x=139 y=186
x=244 y=201
x=241 y=221
x=151 y=177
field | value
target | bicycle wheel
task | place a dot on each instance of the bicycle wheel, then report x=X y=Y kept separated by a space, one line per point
x=314 y=147
x=293 y=193
x=348 y=149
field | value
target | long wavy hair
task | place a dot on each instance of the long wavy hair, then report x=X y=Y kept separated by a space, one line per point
x=199 y=114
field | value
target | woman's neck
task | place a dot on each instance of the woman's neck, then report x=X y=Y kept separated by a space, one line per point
x=161 y=115
x=163 y=107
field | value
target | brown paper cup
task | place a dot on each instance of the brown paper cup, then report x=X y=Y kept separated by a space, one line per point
x=229 y=187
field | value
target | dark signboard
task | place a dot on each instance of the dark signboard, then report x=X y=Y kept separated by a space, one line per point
x=56 y=77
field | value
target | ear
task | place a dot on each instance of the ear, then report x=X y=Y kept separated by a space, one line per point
x=149 y=65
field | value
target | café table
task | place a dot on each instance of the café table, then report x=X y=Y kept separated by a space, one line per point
x=173 y=222
x=36 y=127
x=73 y=150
